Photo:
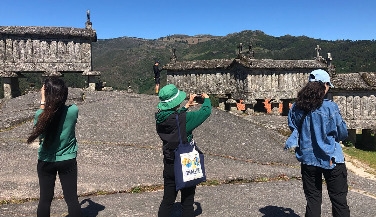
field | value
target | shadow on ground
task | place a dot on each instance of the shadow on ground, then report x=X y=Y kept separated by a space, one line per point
x=273 y=211
x=177 y=209
x=92 y=208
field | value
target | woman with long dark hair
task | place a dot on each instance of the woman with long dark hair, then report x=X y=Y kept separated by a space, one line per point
x=317 y=128
x=54 y=124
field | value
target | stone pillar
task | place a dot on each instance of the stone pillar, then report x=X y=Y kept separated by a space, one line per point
x=7 y=88
x=11 y=87
x=222 y=103
x=249 y=109
x=91 y=79
x=286 y=105
x=231 y=105
x=250 y=105
x=368 y=140
x=276 y=107
x=260 y=106
x=351 y=139
x=358 y=138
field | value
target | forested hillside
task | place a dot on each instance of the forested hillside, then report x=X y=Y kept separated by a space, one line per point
x=124 y=61
x=128 y=61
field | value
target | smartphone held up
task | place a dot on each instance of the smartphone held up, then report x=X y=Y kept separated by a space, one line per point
x=199 y=98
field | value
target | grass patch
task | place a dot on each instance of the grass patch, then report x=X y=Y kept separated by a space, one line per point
x=284 y=132
x=17 y=201
x=158 y=187
x=213 y=182
x=137 y=189
x=366 y=157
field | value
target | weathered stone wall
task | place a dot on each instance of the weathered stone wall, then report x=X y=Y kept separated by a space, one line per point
x=275 y=84
x=48 y=50
x=45 y=49
x=357 y=108
x=216 y=81
x=355 y=95
x=37 y=55
x=242 y=83
x=243 y=78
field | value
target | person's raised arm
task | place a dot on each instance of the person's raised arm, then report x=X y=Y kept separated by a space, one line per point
x=196 y=118
x=42 y=98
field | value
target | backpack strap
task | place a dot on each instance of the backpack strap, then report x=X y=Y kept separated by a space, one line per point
x=177 y=122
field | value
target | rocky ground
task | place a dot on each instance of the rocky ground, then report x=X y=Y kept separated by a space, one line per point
x=120 y=152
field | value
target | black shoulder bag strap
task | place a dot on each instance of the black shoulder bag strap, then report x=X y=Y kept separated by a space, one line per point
x=177 y=122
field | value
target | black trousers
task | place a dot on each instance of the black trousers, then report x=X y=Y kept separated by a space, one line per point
x=170 y=193
x=67 y=171
x=336 y=181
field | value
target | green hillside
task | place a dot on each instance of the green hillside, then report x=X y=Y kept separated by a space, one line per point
x=128 y=61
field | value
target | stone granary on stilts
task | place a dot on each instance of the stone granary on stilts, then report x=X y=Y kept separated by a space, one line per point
x=270 y=86
x=261 y=84
x=355 y=94
x=50 y=51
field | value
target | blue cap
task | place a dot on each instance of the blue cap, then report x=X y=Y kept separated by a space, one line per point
x=320 y=75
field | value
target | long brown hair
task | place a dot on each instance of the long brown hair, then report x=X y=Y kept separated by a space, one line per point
x=56 y=94
x=311 y=96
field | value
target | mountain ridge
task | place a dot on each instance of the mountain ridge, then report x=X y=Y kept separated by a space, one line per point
x=128 y=60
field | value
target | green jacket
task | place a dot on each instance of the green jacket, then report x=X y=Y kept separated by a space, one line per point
x=193 y=118
x=64 y=146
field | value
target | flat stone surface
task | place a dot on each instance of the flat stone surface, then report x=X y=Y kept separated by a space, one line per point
x=119 y=150
x=269 y=199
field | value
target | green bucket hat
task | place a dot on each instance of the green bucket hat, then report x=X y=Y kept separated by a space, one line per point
x=170 y=97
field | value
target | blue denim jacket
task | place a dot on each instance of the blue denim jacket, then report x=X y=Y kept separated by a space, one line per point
x=317 y=137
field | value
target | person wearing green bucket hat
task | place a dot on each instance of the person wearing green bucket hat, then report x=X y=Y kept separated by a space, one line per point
x=169 y=105
x=170 y=97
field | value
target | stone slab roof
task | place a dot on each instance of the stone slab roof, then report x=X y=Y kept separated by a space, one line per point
x=369 y=78
x=355 y=81
x=199 y=64
x=280 y=64
x=48 y=32
x=247 y=63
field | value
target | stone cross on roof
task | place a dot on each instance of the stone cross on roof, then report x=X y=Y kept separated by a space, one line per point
x=88 y=15
x=173 y=58
x=240 y=48
x=88 y=23
x=250 y=51
x=318 y=48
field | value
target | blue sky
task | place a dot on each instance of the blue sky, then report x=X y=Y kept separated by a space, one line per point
x=327 y=20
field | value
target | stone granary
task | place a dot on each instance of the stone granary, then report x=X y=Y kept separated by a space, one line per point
x=261 y=84
x=355 y=94
x=272 y=85
x=47 y=50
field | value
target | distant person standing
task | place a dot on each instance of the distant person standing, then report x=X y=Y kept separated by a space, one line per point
x=317 y=128
x=55 y=124
x=157 y=75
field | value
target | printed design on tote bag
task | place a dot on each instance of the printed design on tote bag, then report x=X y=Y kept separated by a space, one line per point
x=191 y=166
